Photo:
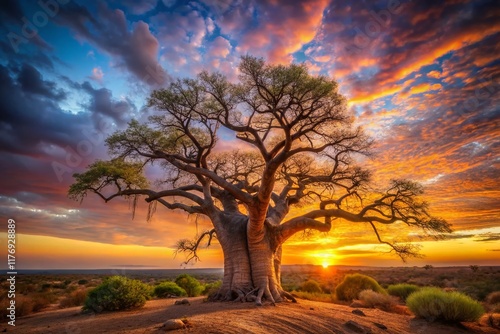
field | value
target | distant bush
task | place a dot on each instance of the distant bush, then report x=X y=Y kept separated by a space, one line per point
x=311 y=286
x=83 y=282
x=436 y=304
x=493 y=298
x=402 y=290
x=167 y=289
x=190 y=284
x=474 y=267
x=75 y=298
x=24 y=306
x=41 y=300
x=493 y=302
x=290 y=286
x=352 y=285
x=377 y=300
x=117 y=293
x=211 y=289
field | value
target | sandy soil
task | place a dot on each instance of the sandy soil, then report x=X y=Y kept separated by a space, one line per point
x=287 y=318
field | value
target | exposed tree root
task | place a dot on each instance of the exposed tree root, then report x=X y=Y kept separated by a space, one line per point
x=257 y=295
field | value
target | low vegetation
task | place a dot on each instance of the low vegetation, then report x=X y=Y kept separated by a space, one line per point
x=317 y=297
x=117 y=293
x=311 y=286
x=377 y=300
x=493 y=302
x=352 y=285
x=74 y=298
x=402 y=290
x=436 y=304
x=211 y=289
x=169 y=289
x=190 y=284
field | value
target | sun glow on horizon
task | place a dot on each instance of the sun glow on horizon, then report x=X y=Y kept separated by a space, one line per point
x=325 y=258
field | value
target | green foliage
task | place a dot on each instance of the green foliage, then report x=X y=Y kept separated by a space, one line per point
x=117 y=293
x=116 y=172
x=352 y=285
x=317 y=297
x=402 y=290
x=167 y=289
x=377 y=300
x=311 y=286
x=83 y=282
x=190 y=284
x=211 y=289
x=436 y=304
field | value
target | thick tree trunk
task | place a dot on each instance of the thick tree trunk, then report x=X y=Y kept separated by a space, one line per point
x=237 y=280
x=252 y=269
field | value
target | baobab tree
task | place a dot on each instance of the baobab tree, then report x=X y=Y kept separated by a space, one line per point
x=299 y=147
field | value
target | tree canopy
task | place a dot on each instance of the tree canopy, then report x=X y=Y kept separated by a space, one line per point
x=298 y=145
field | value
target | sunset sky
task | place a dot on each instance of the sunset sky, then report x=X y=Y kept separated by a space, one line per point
x=423 y=78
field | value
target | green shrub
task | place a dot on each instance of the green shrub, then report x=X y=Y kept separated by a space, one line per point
x=83 y=282
x=377 y=300
x=167 y=289
x=311 y=286
x=402 y=290
x=211 y=289
x=117 y=293
x=436 y=304
x=190 y=284
x=352 y=285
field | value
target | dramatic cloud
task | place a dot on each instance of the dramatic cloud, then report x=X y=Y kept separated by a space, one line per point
x=136 y=50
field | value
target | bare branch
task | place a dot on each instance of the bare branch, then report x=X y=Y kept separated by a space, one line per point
x=191 y=247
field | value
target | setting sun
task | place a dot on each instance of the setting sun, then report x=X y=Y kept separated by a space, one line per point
x=325 y=264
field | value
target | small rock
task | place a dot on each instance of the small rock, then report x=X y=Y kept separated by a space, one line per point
x=358 y=312
x=311 y=308
x=357 y=328
x=381 y=326
x=173 y=324
x=182 y=302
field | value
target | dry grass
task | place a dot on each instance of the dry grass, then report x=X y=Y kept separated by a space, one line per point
x=75 y=298
x=314 y=296
x=378 y=300
x=42 y=300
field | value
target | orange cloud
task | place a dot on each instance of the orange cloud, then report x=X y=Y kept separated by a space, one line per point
x=285 y=33
x=434 y=74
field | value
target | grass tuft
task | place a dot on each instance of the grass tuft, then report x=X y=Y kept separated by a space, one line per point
x=402 y=290
x=436 y=304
